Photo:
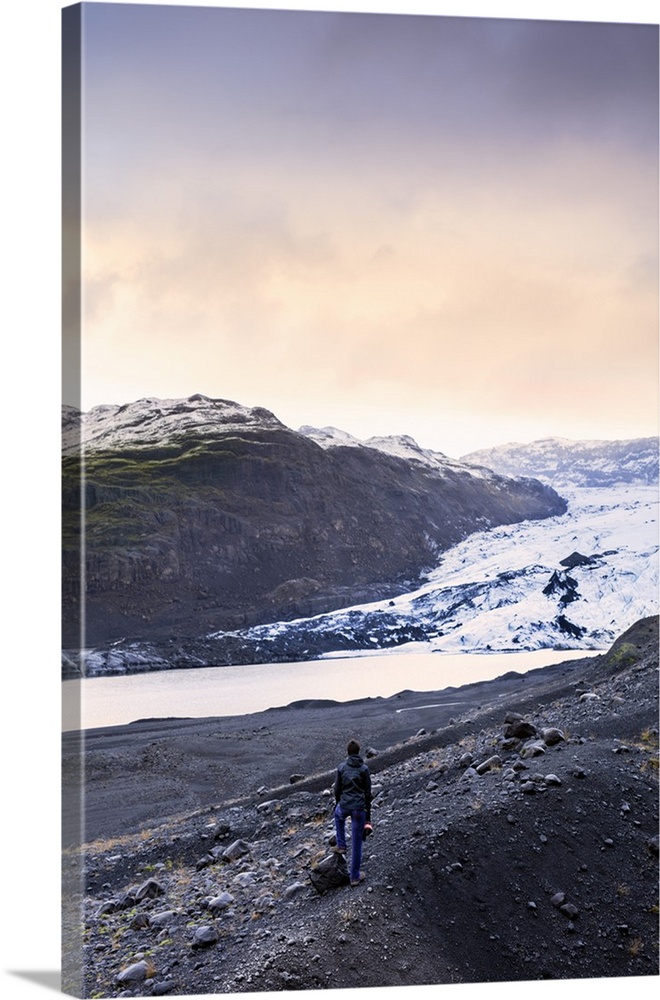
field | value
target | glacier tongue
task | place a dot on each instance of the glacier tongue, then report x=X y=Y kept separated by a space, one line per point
x=575 y=581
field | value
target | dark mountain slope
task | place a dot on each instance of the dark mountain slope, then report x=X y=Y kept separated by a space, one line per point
x=223 y=523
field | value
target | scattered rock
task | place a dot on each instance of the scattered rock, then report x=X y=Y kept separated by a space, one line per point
x=519 y=730
x=221 y=902
x=205 y=937
x=136 y=973
x=552 y=736
x=235 y=851
x=490 y=764
x=149 y=890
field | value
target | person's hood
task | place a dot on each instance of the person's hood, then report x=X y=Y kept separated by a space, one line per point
x=355 y=760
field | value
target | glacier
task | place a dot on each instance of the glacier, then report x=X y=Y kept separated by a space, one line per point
x=574 y=581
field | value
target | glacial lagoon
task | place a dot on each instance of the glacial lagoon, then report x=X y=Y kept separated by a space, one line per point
x=240 y=690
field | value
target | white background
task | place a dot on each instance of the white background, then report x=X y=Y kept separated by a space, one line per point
x=30 y=167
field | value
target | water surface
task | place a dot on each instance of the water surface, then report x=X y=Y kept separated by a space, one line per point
x=215 y=691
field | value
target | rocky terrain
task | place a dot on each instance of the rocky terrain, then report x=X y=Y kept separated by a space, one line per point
x=202 y=514
x=515 y=839
x=564 y=463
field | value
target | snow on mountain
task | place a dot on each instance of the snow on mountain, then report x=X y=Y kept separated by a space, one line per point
x=398 y=445
x=575 y=581
x=563 y=463
x=329 y=437
x=147 y=422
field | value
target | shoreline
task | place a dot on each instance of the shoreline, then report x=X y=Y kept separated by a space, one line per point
x=160 y=767
x=247 y=690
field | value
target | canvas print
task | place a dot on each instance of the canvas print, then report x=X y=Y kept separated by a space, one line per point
x=359 y=500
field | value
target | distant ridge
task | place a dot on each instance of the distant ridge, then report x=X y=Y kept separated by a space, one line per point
x=561 y=463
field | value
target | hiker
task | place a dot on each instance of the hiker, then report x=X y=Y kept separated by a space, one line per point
x=353 y=799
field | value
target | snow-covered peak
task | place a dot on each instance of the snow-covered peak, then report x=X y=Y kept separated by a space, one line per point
x=151 y=421
x=398 y=445
x=329 y=437
x=564 y=463
x=404 y=446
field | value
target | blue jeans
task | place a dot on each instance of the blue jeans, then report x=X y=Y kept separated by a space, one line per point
x=358 y=818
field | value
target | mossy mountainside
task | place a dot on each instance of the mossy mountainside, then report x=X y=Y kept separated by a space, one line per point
x=259 y=524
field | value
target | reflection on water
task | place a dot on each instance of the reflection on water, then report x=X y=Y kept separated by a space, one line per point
x=215 y=691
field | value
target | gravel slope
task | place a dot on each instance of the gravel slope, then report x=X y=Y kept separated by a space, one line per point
x=495 y=857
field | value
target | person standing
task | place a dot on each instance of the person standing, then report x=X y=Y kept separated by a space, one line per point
x=352 y=800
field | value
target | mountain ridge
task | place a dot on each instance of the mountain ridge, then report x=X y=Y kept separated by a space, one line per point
x=201 y=514
x=562 y=462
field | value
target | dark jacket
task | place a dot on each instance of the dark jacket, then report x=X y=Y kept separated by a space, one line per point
x=353 y=785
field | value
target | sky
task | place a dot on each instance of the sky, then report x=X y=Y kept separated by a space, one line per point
x=432 y=225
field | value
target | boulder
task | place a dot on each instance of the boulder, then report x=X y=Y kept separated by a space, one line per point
x=235 y=851
x=221 y=902
x=534 y=748
x=519 y=730
x=136 y=973
x=552 y=736
x=205 y=937
x=149 y=890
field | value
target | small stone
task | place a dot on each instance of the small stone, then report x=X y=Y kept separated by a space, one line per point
x=162 y=988
x=489 y=764
x=558 y=899
x=268 y=806
x=534 y=748
x=569 y=910
x=295 y=778
x=293 y=890
x=552 y=779
x=163 y=918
